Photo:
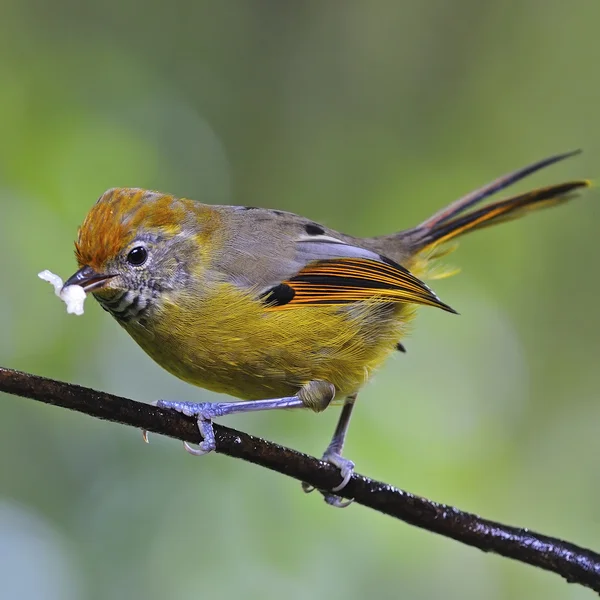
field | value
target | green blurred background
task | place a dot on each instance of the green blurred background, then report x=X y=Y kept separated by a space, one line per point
x=367 y=116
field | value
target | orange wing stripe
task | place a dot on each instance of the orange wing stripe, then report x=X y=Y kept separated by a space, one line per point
x=346 y=280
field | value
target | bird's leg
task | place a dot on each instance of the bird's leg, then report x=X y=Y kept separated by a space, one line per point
x=315 y=395
x=333 y=454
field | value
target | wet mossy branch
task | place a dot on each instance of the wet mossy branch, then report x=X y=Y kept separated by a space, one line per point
x=573 y=563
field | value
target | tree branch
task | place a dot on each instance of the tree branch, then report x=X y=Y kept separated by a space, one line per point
x=575 y=564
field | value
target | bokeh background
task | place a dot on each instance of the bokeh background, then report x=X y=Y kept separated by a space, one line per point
x=367 y=116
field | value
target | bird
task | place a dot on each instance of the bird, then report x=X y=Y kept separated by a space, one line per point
x=270 y=307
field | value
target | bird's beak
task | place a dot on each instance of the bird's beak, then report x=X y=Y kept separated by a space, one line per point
x=88 y=279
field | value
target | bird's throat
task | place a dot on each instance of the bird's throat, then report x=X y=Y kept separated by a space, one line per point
x=127 y=305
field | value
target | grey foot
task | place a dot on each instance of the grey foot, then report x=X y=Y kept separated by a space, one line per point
x=337 y=501
x=346 y=468
x=204 y=412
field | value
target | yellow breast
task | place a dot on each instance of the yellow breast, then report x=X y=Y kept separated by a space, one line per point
x=227 y=342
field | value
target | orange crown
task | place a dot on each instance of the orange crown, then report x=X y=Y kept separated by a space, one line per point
x=116 y=218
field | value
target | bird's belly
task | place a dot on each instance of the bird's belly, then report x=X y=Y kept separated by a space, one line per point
x=251 y=353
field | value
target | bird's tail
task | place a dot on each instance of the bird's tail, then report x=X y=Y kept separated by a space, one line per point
x=456 y=219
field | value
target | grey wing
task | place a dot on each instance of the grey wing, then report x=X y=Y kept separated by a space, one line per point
x=272 y=246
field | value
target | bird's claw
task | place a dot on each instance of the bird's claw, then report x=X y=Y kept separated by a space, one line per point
x=204 y=412
x=307 y=488
x=145 y=431
x=201 y=450
x=346 y=468
x=208 y=443
x=337 y=501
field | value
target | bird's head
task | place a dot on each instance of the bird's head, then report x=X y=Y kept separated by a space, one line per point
x=135 y=244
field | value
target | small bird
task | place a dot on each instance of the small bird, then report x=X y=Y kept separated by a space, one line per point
x=267 y=306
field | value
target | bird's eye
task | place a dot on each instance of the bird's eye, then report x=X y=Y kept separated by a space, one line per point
x=137 y=256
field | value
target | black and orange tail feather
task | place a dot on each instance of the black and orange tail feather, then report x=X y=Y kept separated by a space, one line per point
x=502 y=211
x=452 y=221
